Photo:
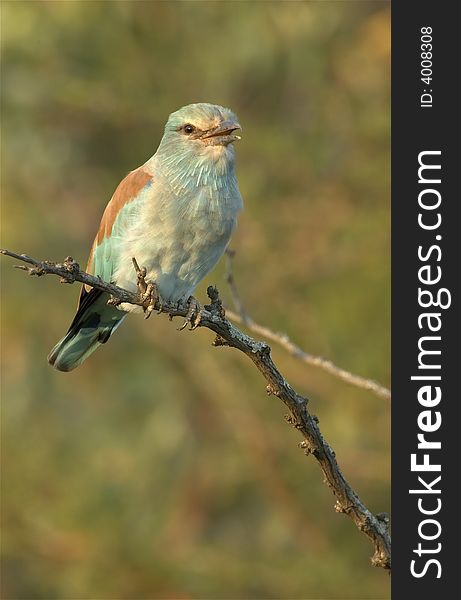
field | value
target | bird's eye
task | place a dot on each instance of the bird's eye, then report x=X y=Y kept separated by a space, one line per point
x=188 y=128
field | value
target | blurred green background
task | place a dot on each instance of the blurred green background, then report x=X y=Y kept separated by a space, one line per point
x=160 y=468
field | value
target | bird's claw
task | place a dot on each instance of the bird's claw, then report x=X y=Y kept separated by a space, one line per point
x=193 y=316
x=149 y=296
x=151 y=300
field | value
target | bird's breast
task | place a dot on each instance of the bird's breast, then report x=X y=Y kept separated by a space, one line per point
x=179 y=239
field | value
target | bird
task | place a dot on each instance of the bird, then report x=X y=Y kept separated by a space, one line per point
x=174 y=215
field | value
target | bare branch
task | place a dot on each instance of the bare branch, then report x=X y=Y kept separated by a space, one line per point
x=375 y=527
x=241 y=316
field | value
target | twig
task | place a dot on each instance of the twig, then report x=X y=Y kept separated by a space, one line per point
x=375 y=527
x=241 y=316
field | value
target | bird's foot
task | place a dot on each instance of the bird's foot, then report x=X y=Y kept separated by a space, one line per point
x=148 y=294
x=193 y=316
x=151 y=299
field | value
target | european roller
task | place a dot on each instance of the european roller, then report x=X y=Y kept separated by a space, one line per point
x=175 y=214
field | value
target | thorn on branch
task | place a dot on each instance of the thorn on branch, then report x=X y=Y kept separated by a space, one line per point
x=272 y=391
x=305 y=446
x=261 y=348
x=340 y=508
x=264 y=349
x=38 y=271
x=72 y=267
x=366 y=525
x=293 y=421
x=380 y=559
x=216 y=306
x=219 y=341
x=384 y=519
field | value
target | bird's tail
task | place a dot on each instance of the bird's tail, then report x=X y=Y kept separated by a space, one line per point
x=92 y=326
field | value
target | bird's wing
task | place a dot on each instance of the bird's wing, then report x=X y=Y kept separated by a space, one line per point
x=117 y=219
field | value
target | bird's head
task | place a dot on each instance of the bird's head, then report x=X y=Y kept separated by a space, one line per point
x=197 y=145
x=202 y=130
x=203 y=126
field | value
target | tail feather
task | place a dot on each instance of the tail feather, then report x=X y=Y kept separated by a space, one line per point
x=92 y=326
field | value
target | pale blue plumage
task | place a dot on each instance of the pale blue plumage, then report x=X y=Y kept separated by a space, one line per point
x=175 y=215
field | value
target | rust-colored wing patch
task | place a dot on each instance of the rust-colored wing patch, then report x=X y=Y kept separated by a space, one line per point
x=126 y=191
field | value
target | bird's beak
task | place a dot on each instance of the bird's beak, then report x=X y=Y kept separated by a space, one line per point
x=224 y=129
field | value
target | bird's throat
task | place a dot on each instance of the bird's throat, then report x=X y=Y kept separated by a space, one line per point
x=189 y=171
